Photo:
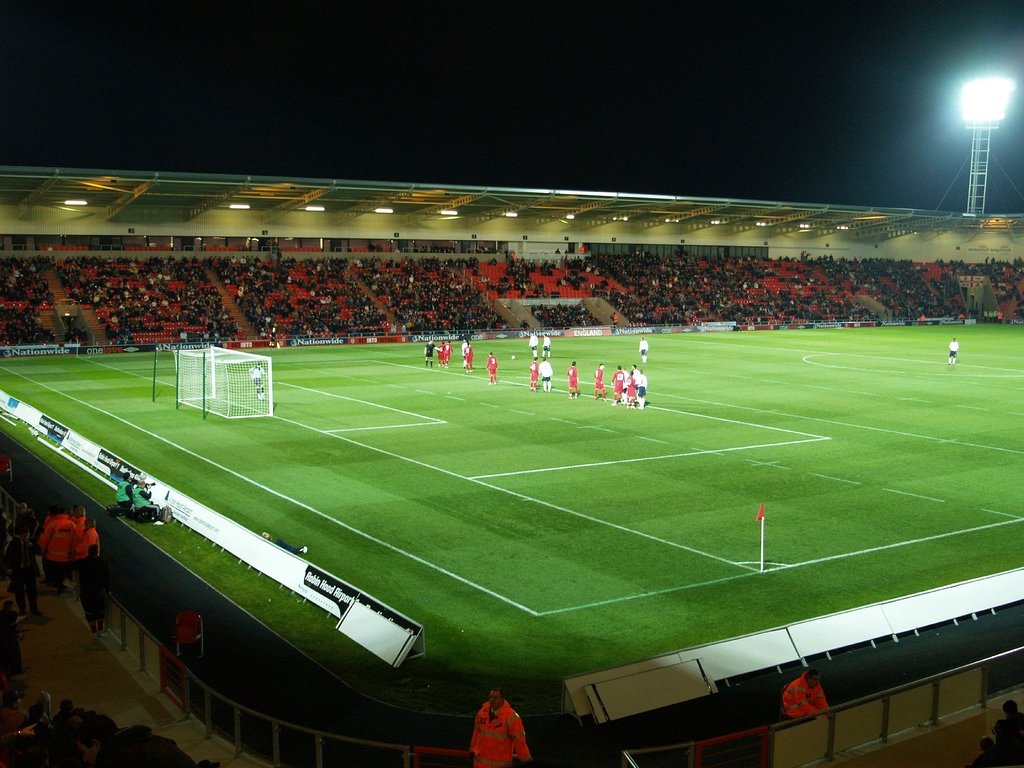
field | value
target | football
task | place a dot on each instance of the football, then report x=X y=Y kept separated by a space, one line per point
x=513 y=357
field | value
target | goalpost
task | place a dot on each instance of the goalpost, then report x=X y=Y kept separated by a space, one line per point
x=232 y=384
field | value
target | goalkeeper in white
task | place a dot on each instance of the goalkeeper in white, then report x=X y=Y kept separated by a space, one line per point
x=256 y=374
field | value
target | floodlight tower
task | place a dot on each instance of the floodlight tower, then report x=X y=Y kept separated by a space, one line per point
x=984 y=105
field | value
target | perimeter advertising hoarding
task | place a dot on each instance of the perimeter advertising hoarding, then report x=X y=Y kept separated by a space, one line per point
x=380 y=629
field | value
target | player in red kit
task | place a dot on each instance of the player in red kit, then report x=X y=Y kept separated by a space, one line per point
x=445 y=354
x=573 y=375
x=534 y=375
x=630 y=400
x=599 y=392
x=492 y=368
x=618 y=381
x=467 y=358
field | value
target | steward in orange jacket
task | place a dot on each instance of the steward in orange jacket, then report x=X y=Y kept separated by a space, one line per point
x=86 y=539
x=498 y=734
x=55 y=545
x=804 y=696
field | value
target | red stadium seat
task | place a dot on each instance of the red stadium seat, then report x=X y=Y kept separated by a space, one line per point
x=188 y=629
x=7 y=467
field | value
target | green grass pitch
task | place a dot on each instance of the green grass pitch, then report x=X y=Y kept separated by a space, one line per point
x=536 y=536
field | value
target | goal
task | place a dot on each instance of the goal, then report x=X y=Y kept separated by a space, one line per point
x=232 y=384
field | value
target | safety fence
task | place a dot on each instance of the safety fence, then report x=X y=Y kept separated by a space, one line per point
x=871 y=720
x=279 y=742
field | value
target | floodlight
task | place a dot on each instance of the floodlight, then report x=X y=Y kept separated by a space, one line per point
x=985 y=100
x=984 y=105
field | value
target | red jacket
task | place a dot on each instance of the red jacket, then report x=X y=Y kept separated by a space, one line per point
x=57 y=538
x=800 y=699
x=496 y=739
x=87 y=538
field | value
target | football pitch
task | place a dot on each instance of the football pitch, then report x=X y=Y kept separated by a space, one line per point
x=536 y=536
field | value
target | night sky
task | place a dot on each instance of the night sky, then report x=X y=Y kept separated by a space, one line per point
x=819 y=102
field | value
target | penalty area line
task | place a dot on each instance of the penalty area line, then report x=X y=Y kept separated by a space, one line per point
x=613 y=462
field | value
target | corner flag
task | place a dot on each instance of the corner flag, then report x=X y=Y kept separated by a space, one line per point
x=760 y=519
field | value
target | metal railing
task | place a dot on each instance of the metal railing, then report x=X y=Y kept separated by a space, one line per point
x=279 y=742
x=869 y=720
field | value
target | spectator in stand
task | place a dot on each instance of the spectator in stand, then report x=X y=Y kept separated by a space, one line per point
x=10 y=640
x=20 y=561
x=93 y=588
x=1008 y=749
x=1013 y=720
x=101 y=743
x=11 y=715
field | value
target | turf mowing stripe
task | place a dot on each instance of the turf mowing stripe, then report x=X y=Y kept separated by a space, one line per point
x=284 y=497
x=357 y=400
x=851 y=425
x=390 y=426
x=775 y=566
x=613 y=462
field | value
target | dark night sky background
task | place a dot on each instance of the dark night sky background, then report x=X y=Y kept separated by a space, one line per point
x=821 y=102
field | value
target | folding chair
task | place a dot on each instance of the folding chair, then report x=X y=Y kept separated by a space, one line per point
x=188 y=629
x=7 y=467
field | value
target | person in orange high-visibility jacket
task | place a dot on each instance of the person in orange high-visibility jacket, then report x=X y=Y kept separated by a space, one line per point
x=85 y=539
x=804 y=696
x=55 y=546
x=498 y=734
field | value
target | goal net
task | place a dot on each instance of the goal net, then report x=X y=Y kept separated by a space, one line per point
x=232 y=384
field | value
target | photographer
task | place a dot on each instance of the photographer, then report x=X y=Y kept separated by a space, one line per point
x=143 y=510
x=125 y=493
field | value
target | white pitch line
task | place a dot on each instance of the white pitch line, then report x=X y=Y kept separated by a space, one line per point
x=453 y=397
x=524 y=413
x=613 y=462
x=361 y=402
x=599 y=429
x=851 y=425
x=837 y=479
x=296 y=502
x=778 y=566
x=523 y=497
x=1004 y=514
x=489 y=405
x=391 y=454
x=652 y=439
x=915 y=495
x=389 y=426
x=971 y=407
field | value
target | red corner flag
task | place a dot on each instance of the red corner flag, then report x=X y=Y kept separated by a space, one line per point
x=760 y=514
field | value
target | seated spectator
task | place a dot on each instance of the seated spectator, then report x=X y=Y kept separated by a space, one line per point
x=11 y=716
x=100 y=742
x=10 y=640
x=1008 y=749
x=1013 y=722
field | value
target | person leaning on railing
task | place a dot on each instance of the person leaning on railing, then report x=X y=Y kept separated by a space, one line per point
x=804 y=697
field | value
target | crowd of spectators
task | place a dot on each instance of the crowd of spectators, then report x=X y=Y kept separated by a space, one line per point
x=161 y=297
x=315 y=297
x=428 y=294
x=24 y=293
x=167 y=299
